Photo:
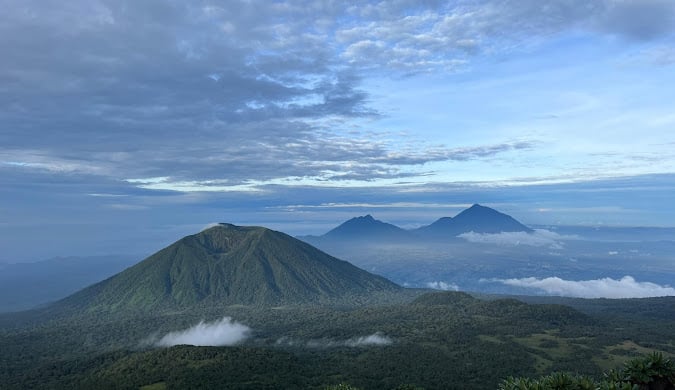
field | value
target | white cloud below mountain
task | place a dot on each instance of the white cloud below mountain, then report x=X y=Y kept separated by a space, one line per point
x=538 y=238
x=626 y=287
x=217 y=333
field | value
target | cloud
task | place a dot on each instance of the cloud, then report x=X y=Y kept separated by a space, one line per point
x=252 y=97
x=218 y=333
x=243 y=102
x=250 y=92
x=538 y=238
x=448 y=35
x=373 y=340
x=443 y=286
x=626 y=287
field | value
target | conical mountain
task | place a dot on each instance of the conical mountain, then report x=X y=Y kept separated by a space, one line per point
x=477 y=218
x=367 y=228
x=225 y=265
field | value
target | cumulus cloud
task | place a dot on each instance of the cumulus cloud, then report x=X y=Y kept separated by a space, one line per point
x=373 y=340
x=626 y=287
x=443 y=286
x=218 y=333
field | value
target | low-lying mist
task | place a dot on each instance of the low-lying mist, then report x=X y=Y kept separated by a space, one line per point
x=375 y=339
x=538 y=238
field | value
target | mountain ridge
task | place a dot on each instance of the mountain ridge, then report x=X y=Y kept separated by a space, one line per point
x=477 y=219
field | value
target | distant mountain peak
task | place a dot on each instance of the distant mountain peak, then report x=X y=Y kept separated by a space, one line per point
x=477 y=218
x=365 y=228
x=364 y=218
x=477 y=207
x=225 y=224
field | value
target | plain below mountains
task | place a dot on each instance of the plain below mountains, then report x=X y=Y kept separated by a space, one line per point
x=229 y=265
x=27 y=285
x=477 y=219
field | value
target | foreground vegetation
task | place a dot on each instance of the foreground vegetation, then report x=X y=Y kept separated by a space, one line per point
x=438 y=341
x=652 y=372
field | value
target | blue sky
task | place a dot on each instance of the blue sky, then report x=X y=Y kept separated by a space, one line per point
x=127 y=124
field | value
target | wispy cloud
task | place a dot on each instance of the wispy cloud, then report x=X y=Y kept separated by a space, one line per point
x=393 y=205
x=626 y=287
x=443 y=286
x=218 y=333
x=374 y=340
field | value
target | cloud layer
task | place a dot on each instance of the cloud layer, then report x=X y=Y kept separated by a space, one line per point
x=248 y=93
x=219 y=333
x=539 y=238
x=626 y=287
x=254 y=92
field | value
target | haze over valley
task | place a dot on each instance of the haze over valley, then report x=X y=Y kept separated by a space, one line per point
x=479 y=250
x=497 y=254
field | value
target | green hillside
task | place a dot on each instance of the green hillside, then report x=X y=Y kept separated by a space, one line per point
x=225 y=265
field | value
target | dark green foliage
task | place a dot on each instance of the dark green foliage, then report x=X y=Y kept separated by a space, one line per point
x=555 y=381
x=455 y=298
x=441 y=341
x=652 y=372
x=341 y=386
x=229 y=264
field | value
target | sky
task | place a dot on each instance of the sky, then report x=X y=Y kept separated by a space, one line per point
x=125 y=125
